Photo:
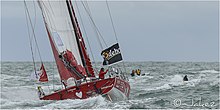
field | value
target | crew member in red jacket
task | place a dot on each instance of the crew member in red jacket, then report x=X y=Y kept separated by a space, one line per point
x=102 y=73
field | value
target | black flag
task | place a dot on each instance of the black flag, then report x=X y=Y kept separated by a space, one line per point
x=111 y=55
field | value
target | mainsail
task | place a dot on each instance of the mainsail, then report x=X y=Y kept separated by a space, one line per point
x=66 y=39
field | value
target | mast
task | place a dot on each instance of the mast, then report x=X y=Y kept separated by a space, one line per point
x=82 y=48
x=76 y=31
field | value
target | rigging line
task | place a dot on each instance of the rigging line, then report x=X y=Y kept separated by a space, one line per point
x=91 y=22
x=34 y=19
x=40 y=6
x=47 y=12
x=86 y=34
x=53 y=75
x=114 y=31
x=34 y=50
x=35 y=14
x=91 y=18
x=111 y=20
x=44 y=15
x=94 y=24
x=125 y=70
x=33 y=32
x=34 y=26
x=77 y=33
x=30 y=41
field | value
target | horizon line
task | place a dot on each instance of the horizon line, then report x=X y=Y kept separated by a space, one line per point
x=123 y=61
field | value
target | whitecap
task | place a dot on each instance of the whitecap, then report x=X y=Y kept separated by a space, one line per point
x=177 y=80
x=139 y=79
x=93 y=102
x=163 y=87
x=209 y=71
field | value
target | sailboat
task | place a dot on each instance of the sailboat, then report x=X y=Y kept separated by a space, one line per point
x=73 y=62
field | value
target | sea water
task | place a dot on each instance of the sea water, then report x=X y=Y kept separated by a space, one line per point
x=161 y=87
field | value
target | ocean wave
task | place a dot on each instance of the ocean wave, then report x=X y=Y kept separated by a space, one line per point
x=9 y=77
x=149 y=91
x=215 y=83
x=177 y=80
x=93 y=102
x=198 y=71
x=209 y=71
x=24 y=104
x=131 y=104
x=163 y=87
x=20 y=93
x=140 y=79
x=143 y=77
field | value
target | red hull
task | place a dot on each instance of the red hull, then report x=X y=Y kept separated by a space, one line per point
x=112 y=88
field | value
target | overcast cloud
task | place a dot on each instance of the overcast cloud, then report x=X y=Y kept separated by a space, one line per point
x=147 y=31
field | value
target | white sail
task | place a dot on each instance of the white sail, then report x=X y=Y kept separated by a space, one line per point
x=59 y=23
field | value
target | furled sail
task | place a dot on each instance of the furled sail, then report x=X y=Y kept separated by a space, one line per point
x=66 y=40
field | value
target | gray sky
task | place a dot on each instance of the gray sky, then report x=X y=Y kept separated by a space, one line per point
x=147 y=31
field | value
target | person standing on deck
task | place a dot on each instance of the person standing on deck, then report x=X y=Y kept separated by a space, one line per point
x=102 y=73
x=40 y=91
